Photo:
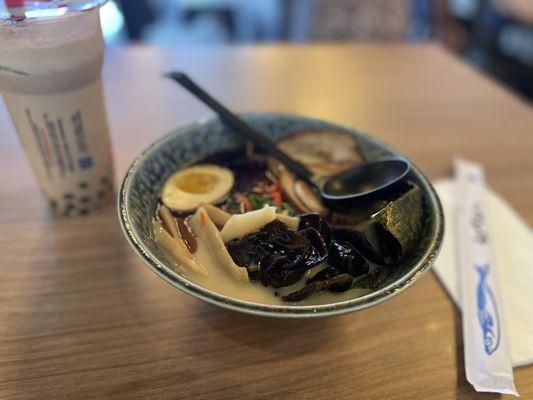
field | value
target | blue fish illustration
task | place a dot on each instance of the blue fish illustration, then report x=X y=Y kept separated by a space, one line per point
x=487 y=311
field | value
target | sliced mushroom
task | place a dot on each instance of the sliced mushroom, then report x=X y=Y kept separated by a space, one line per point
x=209 y=235
x=309 y=197
x=300 y=193
x=287 y=181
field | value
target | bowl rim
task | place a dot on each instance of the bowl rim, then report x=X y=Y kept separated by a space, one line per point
x=394 y=288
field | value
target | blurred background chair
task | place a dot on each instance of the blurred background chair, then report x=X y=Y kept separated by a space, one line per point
x=360 y=20
x=493 y=35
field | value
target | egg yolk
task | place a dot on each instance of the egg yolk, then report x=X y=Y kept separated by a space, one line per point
x=196 y=182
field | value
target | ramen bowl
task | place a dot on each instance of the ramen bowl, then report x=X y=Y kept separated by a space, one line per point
x=141 y=187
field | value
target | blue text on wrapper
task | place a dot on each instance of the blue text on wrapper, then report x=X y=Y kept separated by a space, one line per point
x=487 y=311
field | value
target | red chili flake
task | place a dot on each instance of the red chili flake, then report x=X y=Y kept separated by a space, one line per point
x=277 y=198
x=244 y=201
x=275 y=187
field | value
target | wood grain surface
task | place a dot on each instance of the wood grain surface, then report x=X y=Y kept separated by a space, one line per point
x=82 y=318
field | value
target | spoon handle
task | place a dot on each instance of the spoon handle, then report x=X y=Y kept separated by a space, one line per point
x=241 y=126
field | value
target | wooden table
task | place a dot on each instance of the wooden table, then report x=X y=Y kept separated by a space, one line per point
x=82 y=317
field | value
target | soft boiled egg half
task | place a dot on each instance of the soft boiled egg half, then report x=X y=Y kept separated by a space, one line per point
x=188 y=188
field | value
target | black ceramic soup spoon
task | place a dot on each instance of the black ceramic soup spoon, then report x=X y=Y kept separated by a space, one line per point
x=353 y=184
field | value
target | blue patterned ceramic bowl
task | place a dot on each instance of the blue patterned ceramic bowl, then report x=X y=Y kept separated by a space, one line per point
x=183 y=147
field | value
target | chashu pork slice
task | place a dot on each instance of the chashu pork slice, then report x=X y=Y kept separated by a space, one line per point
x=323 y=152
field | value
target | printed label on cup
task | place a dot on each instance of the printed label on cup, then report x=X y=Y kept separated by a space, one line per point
x=67 y=143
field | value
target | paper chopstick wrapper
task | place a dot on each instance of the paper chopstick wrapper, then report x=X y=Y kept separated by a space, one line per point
x=487 y=360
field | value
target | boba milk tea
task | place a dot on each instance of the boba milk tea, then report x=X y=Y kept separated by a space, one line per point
x=51 y=84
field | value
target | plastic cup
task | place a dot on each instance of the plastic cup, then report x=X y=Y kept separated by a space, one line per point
x=50 y=79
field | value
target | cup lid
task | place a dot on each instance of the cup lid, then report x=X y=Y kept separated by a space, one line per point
x=20 y=10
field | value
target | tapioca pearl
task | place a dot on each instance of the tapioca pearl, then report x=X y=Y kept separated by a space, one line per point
x=70 y=209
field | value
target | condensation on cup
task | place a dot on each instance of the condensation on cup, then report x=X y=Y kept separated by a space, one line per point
x=51 y=84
